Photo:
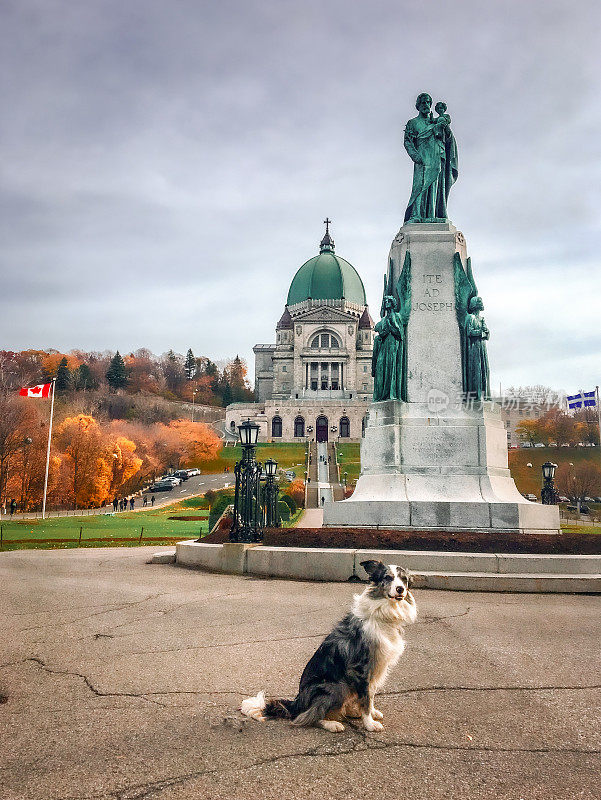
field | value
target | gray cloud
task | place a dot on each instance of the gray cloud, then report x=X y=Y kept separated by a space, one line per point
x=166 y=165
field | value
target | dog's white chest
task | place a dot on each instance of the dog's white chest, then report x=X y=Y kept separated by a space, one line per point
x=388 y=644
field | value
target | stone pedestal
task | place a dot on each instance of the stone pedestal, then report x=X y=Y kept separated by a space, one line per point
x=436 y=462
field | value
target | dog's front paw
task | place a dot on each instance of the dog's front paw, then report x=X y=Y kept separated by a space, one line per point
x=377 y=714
x=332 y=725
x=372 y=725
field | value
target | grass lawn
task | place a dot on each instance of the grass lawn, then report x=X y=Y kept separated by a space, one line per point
x=349 y=461
x=104 y=530
x=529 y=479
x=288 y=455
x=567 y=528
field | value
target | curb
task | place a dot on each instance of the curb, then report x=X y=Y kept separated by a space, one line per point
x=472 y=572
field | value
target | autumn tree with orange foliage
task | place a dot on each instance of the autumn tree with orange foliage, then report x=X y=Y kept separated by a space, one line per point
x=51 y=361
x=94 y=465
x=126 y=463
x=183 y=442
x=85 y=475
x=297 y=492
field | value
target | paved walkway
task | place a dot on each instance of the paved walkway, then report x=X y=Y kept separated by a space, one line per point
x=312 y=518
x=323 y=474
x=122 y=681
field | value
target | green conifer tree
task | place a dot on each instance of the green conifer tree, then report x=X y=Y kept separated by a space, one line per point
x=190 y=365
x=84 y=379
x=116 y=374
x=237 y=380
x=64 y=379
x=226 y=394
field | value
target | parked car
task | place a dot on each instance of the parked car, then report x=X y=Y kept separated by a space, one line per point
x=532 y=497
x=539 y=444
x=192 y=472
x=290 y=475
x=182 y=474
x=563 y=499
x=172 y=478
x=583 y=509
x=161 y=486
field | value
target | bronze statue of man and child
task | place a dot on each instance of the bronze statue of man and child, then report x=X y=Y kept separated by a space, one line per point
x=431 y=146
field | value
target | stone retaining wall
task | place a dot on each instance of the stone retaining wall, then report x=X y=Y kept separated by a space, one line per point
x=434 y=570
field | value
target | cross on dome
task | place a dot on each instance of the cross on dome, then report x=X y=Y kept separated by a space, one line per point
x=327 y=243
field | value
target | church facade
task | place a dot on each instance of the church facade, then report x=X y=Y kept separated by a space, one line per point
x=315 y=381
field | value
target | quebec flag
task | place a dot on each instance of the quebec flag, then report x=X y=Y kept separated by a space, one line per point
x=582 y=399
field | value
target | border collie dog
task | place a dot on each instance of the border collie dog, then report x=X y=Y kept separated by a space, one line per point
x=352 y=662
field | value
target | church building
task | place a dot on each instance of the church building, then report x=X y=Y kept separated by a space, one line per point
x=315 y=382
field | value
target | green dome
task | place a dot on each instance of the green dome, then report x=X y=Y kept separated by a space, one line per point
x=326 y=277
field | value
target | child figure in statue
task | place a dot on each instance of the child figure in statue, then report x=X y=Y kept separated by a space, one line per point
x=443 y=119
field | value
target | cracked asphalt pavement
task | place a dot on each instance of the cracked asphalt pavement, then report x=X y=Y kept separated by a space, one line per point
x=120 y=679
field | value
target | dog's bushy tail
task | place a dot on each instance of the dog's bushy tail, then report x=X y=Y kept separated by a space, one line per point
x=260 y=708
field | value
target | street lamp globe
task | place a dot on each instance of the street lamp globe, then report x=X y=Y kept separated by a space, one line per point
x=549 y=470
x=271 y=467
x=249 y=433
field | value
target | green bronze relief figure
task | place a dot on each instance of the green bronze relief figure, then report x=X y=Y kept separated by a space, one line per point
x=473 y=332
x=389 y=360
x=431 y=146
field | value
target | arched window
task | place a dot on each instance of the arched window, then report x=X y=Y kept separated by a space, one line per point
x=233 y=425
x=299 y=427
x=276 y=427
x=325 y=341
x=344 y=427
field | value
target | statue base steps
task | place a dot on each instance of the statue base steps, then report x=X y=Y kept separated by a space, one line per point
x=424 y=469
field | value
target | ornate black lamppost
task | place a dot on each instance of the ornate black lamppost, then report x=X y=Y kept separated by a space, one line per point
x=272 y=518
x=247 y=525
x=548 y=493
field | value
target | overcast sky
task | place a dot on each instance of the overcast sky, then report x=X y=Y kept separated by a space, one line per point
x=167 y=164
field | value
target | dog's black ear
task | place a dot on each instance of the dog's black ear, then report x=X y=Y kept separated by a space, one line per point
x=373 y=568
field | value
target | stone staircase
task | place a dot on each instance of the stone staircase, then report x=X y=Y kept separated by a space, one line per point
x=312 y=490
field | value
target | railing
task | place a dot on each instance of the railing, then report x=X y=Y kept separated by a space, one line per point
x=79 y=539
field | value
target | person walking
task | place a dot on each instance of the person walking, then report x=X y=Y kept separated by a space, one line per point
x=115 y=504
x=13 y=506
x=131 y=503
x=152 y=500
x=145 y=501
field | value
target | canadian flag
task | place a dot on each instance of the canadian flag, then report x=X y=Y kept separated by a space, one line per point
x=43 y=390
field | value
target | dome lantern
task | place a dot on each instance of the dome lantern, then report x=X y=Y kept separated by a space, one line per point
x=327 y=243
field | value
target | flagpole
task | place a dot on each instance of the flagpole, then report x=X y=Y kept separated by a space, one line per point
x=598 y=414
x=48 y=451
